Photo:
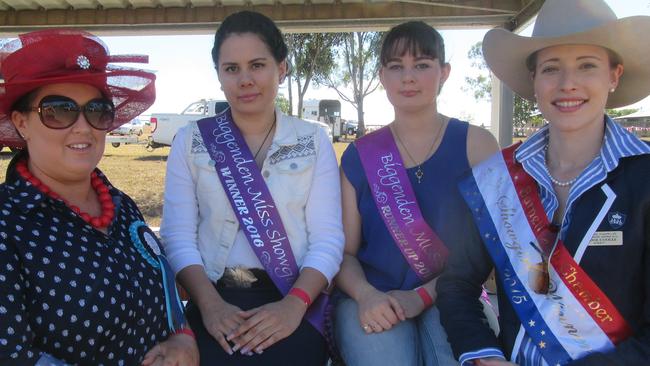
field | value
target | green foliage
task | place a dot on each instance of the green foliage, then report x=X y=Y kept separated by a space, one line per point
x=621 y=112
x=525 y=111
x=480 y=86
x=282 y=103
x=359 y=70
x=475 y=54
x=311 y=56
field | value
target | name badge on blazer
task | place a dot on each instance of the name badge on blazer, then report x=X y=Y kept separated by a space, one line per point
x=606 y=238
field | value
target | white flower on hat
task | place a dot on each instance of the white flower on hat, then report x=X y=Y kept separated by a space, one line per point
x=83 y=62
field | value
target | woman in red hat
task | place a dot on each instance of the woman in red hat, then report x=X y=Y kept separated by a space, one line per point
x=83 y=279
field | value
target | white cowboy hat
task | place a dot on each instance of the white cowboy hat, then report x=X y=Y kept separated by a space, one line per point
x=562 y=22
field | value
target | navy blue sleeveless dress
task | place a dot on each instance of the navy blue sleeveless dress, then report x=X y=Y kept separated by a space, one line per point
x=438 y=197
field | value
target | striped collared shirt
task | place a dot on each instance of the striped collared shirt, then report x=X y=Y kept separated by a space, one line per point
x=617 y=144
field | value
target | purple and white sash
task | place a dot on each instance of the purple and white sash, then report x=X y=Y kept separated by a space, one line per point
x=397 y=205
x=254 y=207
x=574 y=317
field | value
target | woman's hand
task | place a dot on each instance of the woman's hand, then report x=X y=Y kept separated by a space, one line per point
x=221 y=319
x=410 y=301
x=178 y=350
x=379 y=311
x=268 y=324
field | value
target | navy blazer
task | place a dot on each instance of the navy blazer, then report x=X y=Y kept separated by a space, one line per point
x=622 y=272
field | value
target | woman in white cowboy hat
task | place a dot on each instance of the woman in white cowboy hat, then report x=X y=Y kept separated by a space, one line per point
x=565 y=216
x=82 y=278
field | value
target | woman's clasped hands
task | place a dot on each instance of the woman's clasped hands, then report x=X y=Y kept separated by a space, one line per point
x=254 y=330
x=379 y=311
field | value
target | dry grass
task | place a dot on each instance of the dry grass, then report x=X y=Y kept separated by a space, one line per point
x=339 y=148
x=138 y=173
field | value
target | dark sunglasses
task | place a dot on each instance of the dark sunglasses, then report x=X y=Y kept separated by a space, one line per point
x=59 y=112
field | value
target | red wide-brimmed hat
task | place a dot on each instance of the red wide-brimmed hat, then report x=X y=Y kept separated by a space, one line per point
x=70 y=56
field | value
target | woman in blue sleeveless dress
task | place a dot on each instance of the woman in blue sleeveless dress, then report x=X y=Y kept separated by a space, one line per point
x=386 y=305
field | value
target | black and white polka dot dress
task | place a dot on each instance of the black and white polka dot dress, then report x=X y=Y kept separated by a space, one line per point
x=71 y=291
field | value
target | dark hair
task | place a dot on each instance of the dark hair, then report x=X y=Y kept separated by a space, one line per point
x=416 y=38
x=614 y=60
x=24 y=103
x=250 y=22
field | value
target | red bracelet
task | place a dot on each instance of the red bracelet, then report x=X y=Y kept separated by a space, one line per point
x=424 y=295
x=187 y=331
x=301 y=294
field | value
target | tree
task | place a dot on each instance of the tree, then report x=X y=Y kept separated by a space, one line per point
x=525 y=111
x=621 y=112
x=358 y=71
x=311 y=57
x=283 y=103
x=479 y=85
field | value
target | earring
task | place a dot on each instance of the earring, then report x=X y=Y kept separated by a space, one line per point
x=612 y=90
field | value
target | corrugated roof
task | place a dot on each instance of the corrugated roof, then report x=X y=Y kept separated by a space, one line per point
x=201 y=16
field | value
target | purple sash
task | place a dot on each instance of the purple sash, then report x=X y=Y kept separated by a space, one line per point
x=397 y=205
x=254 y=207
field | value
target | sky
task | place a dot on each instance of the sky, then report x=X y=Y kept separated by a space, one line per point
x=185 y=72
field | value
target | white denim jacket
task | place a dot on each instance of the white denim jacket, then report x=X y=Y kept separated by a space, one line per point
x=300 y=169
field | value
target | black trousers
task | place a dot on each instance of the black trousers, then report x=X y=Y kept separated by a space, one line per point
x=305 y=347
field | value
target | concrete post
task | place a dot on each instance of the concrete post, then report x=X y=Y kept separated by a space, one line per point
x=502 y=112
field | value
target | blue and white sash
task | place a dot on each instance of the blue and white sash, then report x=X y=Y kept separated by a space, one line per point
x=574 y=318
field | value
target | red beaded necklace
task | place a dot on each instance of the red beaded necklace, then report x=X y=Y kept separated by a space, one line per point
x=96 y=182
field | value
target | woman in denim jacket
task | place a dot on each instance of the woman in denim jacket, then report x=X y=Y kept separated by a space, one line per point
x=239 y=315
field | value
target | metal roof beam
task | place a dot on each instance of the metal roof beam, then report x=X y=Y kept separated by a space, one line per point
x=529 y=10
x=309 y=17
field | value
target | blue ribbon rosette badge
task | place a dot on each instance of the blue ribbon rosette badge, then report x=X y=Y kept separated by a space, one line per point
x=149 y=247
x=146 y=242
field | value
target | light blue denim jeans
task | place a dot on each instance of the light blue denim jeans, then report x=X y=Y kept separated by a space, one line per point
x=414 y=342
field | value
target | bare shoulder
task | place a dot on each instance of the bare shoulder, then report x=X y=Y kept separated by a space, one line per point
x=481 y=144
